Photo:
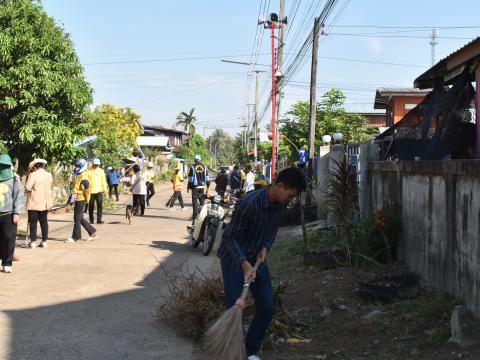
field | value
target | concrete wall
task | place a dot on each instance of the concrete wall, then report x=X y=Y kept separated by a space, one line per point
x=440 y=210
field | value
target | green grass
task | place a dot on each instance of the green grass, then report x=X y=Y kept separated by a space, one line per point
x=428 y=314
x=283 y=251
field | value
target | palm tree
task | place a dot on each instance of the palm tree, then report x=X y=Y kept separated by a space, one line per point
x=187 y=121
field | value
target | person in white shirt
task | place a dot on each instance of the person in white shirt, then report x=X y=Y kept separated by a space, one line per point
x=138 y=189
x=250 y=180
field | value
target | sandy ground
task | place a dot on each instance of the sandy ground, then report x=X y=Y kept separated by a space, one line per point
x=97 y=300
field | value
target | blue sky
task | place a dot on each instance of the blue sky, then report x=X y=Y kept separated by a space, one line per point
x=162 y=57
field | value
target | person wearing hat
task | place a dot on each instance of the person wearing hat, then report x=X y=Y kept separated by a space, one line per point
x=138 y=189
x=113 y=178
x=39 y=200
x=98 y=187
x=177 y=182
x=11 y=207
x=79 y=197
x=150 y=175
x=197 y=182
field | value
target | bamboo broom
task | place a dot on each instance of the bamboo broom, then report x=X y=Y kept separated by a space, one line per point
x=224 y=339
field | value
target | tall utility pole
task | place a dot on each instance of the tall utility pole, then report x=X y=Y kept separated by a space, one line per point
x=255 y=125
x=433 y=42
x=255 y=121
x=279 y=73
x=243 y=135
x=248 y=127
x=271 y=23
x=313 y=97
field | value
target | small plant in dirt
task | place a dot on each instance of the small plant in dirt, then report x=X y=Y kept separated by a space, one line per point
x=341 y=195
x=369 y=240
x=376 y=236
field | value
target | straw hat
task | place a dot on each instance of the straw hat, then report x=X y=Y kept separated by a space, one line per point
x=35 y=162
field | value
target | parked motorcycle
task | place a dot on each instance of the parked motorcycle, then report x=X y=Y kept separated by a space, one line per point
x=208 y=225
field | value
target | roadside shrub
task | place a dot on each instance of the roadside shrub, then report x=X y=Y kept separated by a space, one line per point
x=376 y=235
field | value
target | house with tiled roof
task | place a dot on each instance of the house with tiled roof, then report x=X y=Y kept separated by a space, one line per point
x=397 y=102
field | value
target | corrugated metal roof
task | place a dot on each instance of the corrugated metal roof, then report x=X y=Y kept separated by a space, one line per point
x=363 y=109
x=460 y=49
x=435 y=76
x=401 y=91
x=163 y=128
x=161 y=141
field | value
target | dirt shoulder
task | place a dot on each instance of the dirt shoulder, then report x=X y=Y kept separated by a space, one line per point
x=331 y=322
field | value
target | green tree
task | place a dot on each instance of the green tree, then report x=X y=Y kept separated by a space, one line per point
x=197 y=146
x=187 y=121
x=222 y=147
x=331 y=118
x=116 y=130
x=43 y=92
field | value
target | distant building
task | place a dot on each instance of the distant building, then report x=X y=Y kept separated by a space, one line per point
x=176 y=137
x=375 y=117
x=397 y=102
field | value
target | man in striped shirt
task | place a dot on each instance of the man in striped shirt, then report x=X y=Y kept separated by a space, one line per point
x=251 y=233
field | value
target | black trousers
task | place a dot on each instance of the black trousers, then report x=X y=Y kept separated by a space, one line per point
x=8 y=233
x=150 y=191
x=111 y=189
x=95 y=198
x=79 y=221
x=139 y=203
x=35 y=216
x=177 y=195
x=197 y=200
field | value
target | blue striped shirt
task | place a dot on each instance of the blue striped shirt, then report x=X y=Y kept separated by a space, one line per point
x=254 y=225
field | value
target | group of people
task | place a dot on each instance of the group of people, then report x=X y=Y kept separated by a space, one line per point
x=89 y=187
x=249 y=235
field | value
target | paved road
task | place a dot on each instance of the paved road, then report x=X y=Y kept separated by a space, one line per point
x=97 y=300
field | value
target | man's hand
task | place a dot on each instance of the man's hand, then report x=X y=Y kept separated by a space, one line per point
x=248 y=271
x=15 y=219
x=263 y=254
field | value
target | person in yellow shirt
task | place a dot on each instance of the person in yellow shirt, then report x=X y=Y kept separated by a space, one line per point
x=80 y=195
x=177 y=182
x=243 y=177
x=98 y=187
x=150 y=174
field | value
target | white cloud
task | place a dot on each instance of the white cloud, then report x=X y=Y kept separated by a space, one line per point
x=375 y=45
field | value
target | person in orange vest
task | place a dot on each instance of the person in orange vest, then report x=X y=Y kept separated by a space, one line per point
x=177 y=182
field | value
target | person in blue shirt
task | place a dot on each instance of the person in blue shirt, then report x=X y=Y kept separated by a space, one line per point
x=250 y=234
x=198 y=183
x=235 y=178
x=113 y=178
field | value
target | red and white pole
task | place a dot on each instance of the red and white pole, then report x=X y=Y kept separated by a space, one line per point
x=274 y=119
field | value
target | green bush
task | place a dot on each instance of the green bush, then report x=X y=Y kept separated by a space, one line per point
x=376 y=235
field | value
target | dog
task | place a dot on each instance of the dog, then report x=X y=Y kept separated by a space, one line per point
x=130 y=213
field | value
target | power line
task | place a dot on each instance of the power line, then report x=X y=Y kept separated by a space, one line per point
x=407 y=27
x=395 y=36
x=165 y=60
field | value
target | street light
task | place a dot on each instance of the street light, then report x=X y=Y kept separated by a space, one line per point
x=272 y=22
x=337 y=136
x=255 y=147
x=326 y=139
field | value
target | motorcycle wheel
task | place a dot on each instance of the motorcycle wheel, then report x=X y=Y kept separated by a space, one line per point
x=209 y=239
x=195 y=243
